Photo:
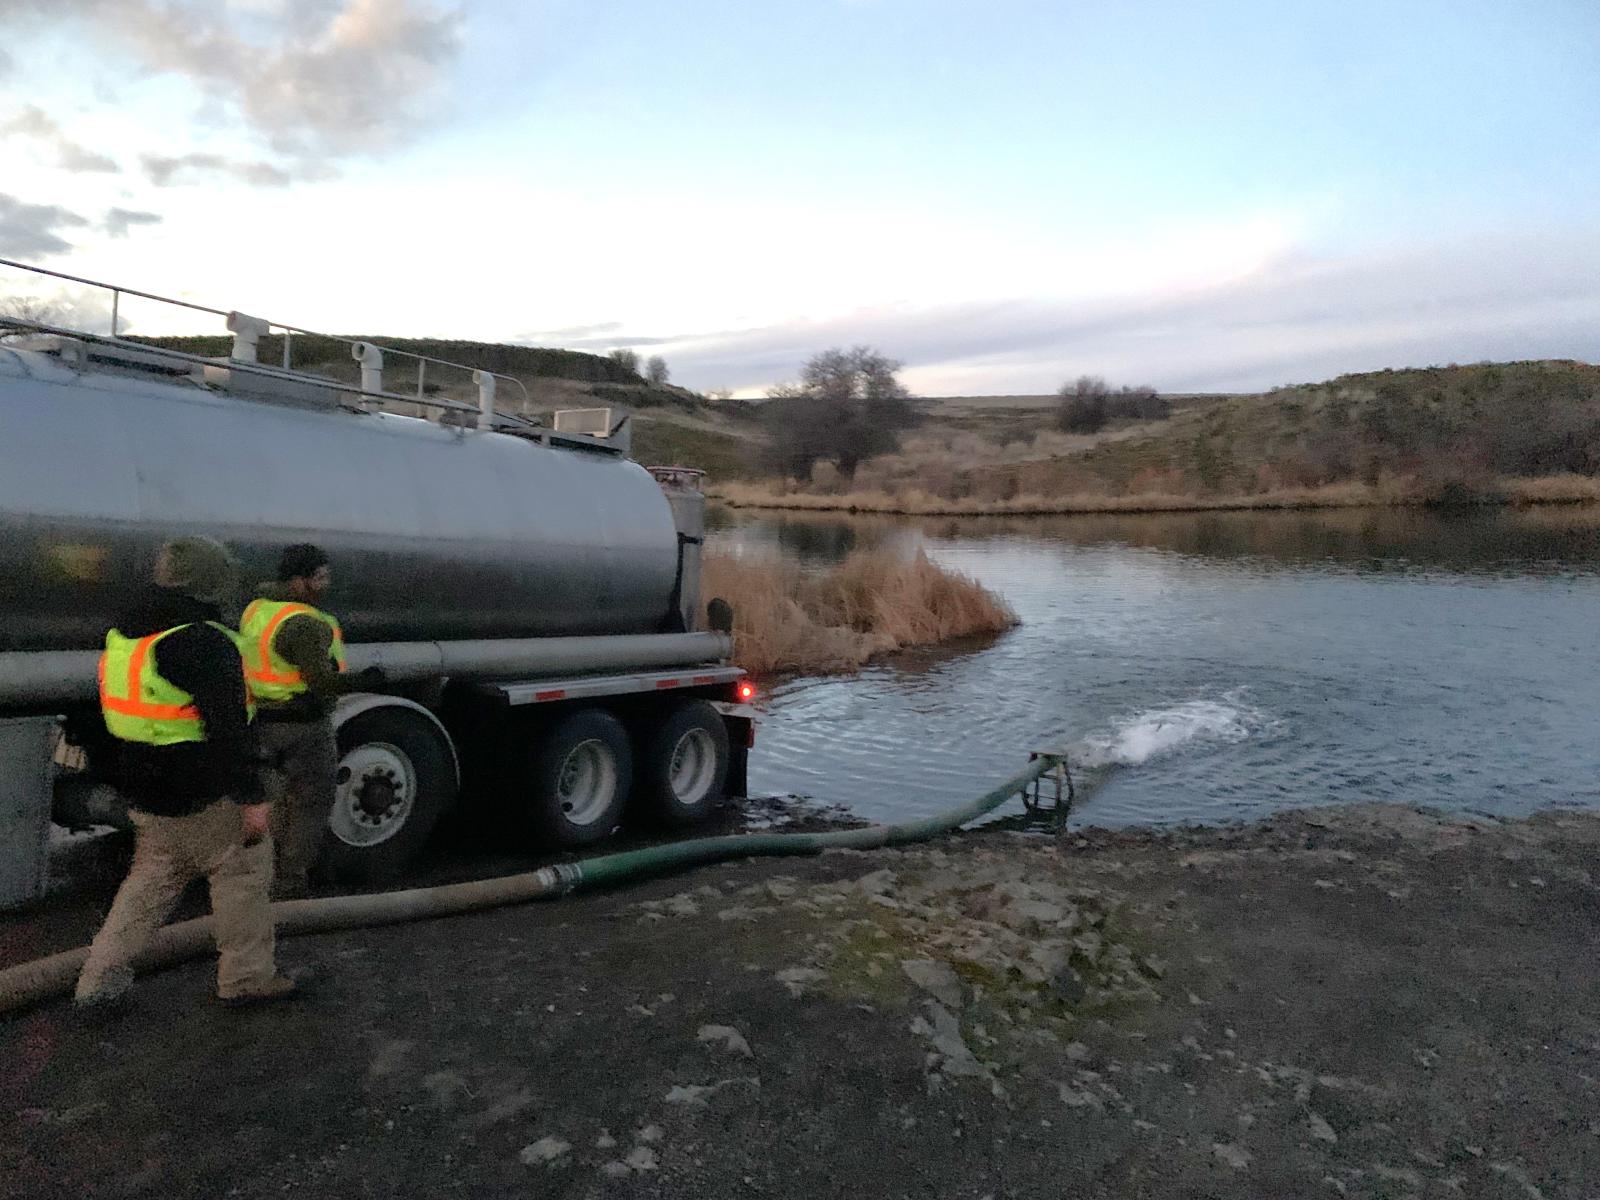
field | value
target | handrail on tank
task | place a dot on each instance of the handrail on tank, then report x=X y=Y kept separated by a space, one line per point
x=289 y=331
x=246 y=368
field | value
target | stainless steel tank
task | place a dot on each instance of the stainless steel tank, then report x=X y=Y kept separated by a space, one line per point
x=435 y=533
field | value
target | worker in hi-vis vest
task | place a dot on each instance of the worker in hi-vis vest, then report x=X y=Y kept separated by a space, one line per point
x=173 y=696
x=294 y=665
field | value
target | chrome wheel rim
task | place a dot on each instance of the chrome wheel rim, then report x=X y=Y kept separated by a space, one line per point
x=692 y=769
x=586 y=785
x=375 y=792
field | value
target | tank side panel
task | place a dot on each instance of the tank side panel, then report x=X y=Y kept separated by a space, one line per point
x=435 y=534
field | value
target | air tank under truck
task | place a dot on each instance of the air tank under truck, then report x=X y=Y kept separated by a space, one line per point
x=530 y=593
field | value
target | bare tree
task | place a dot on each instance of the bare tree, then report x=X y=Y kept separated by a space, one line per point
x=655 y=370
x=31 y=310
x=627 y=359
x=848 y=406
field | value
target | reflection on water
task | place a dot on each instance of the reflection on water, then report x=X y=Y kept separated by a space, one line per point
x=1249 y=660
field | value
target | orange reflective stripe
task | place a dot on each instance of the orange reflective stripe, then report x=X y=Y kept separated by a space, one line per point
x=131 y=705
x=153 y=712
x=264 y=672
x=141 y=651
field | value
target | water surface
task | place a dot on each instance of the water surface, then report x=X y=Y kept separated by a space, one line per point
x=1238 y=663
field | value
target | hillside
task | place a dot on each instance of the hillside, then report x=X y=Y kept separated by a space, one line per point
x=672 y=425
x=1427 y=434
x=1440 y=434
x=1451 y=429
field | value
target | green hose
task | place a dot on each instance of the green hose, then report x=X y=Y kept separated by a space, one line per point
x=45 y=978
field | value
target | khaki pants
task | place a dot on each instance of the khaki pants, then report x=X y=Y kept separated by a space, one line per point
x=302 y=757
x=169 y=853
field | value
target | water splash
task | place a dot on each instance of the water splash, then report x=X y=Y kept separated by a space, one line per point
x=1139 y=738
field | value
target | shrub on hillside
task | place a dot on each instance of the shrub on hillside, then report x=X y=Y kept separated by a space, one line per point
x=848 y=406
x=1083 y=405
x=1087 y=403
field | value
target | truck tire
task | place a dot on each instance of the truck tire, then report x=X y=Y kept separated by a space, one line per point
x=396 y=777
x=580 y=778
x=684 y=768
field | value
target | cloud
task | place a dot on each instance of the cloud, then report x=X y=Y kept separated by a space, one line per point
x=119 y=220
x=164 y=171
x=313 y=78
x=37 y=230
x=574 y=335
x=33 y=122
x=34 y=230
x=1296 y=318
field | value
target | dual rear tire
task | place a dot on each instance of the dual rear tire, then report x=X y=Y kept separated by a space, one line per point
x=567 y=787
x=585 y=772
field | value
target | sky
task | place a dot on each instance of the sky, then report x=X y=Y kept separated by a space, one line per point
x=1002 y=195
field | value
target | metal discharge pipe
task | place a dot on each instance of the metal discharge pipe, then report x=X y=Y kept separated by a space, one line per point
x=45 y=978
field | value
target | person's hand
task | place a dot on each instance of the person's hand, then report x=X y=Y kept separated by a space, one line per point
x=255 y=822
x=371 y=677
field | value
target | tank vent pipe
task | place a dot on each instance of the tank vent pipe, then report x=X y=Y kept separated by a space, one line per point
x=247 y=331
x=371 y=360
x=485 y=382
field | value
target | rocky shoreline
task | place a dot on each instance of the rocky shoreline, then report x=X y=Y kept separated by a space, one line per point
x=1366 y=1001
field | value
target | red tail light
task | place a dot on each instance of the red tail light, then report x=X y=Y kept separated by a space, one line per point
x=747 y=691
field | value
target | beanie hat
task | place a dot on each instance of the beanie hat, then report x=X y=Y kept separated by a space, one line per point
x=201 y=567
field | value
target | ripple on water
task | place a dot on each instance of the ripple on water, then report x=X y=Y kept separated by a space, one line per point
x=1229 y=667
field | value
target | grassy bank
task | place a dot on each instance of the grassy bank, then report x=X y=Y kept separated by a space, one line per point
x=1553 y=489
x=872 y=603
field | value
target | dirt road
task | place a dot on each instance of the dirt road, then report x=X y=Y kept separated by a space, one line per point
x=1367 y=1002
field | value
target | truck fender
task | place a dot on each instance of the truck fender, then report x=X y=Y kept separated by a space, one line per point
x=354 y=704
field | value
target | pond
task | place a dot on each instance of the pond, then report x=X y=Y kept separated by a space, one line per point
x=1229 y=664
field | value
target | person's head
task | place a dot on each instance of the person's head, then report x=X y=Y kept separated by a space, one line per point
x=304 y=570
x=197 y=566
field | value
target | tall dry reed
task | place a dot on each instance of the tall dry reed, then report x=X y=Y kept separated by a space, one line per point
x=872 y=603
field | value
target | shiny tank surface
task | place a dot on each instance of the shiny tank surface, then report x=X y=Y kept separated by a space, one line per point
x=435 y=533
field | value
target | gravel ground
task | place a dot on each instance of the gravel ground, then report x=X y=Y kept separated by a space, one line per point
x=1368 y=1002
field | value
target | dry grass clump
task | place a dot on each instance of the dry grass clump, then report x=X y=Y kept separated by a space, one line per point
x=1388 y=492
x=915 y=502
x=1554 y=489
x=872 y=603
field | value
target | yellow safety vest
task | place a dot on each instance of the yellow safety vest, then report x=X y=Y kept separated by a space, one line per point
x=268 y=675
x=138 y=704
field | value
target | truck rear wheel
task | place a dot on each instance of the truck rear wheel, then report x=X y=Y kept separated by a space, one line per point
x=396 y=777
x=582 y=773
x=685 y=765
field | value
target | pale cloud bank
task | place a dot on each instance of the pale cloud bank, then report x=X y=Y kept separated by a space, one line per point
x=315 y=80
x=1298 y=318
x=312 y=82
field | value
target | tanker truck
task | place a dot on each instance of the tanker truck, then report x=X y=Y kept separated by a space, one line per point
x=530 y=593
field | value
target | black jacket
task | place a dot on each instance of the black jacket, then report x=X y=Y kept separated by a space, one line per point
x=177 y=780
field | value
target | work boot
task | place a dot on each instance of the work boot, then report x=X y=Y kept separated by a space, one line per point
x=279 y=987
